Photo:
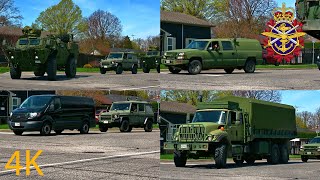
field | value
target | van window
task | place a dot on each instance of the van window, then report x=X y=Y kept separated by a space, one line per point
x=141 y=107
x=227 y=45
x=134 y=107
x=57 y=103
x=232 y=117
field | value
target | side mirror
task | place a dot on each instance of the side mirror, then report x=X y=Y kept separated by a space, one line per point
x=4 y=42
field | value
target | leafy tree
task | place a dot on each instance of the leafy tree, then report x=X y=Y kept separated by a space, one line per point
x=191 y=97
x=9 y=14
x=127 y=43
x=65 y=17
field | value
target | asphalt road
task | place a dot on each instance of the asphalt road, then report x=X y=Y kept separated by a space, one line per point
x=111 y=155
x=295 y=169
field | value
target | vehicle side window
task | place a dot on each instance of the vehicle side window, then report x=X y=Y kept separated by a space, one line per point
x=232 y=117
x=141 y=107
x=129 y=56
x=227 y=45
x=134 y=108
x=57 y=103
x=148 y=109
x=214 y=45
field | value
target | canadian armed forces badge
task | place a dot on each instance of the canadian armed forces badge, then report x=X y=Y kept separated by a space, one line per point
x=284 y=35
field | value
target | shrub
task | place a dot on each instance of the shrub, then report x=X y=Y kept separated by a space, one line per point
x=87 y=66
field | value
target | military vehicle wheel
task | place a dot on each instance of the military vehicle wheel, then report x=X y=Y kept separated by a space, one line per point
x=125 y=126
x=250 y=160
x=195 y=67
x=119 y=69
x=15 y=72
x=158 y=68
x=174 y=70
x=46 y=129
x=52 y=69
x=180 y=158
x=58 y=131
x=130 y=129
x=103 y=128
x=275 y=155
x=220 y=156
x=250 y=66
x=304 y=158
x=229 y=71
x=71 y=68
x=145 y=69
x=84 y=128
x=17 y=132
x=284 y=155
x=134 y=69
x=238 y=162
x=39 y=73
x=103 y=70
x=148 y=126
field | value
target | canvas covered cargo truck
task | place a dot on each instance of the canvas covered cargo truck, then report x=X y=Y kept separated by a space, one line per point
x=204 y=54
x=241 y=128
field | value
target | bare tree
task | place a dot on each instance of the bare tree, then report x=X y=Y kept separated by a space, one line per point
x=306 y=117
x=317 y=118
x=9 y=14
x=266 y=95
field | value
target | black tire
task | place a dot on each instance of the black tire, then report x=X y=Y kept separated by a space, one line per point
x=180 y=158
x=134 y=69
x=71 y=68
x=130 y=129
x=84 y=128
x=194 y=67
x=148 y=126
x=52 y=69
x=174 y=70
x=145 y=69
x=250 y=66
x=15 y=73
x=304 y=158
x=250 y=160
x=58 y=131
x=125 y=126
x=284 y=154
x=103 y=70
x=238 y=162
x=119 y=69
x=229 y=71
x=39 y=73
x=220 y=156
x=158 y=68
x=46 y=129
x=275 y=155
x=103 y=128
x=17 y=132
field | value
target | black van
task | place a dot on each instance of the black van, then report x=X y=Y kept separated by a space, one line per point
x=53 y=112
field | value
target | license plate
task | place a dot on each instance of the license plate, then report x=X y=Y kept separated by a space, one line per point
x=184 y=146
x=105 y=66
x=16 y=124
x=309 y=153
x=168 y=61
x=38 y=62
x=106 y=122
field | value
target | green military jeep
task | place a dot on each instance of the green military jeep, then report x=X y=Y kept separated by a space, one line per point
x=204 y=54
x=126 y=115
x=120 y=61
x=151 y=60
x=311 y=150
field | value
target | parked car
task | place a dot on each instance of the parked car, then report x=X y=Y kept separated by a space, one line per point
x=98 y=112
x=53 y=112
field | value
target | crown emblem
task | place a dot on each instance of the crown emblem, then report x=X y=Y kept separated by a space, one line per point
x=283 y=14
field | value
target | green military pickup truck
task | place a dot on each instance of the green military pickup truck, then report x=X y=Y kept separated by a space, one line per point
x=204 y=54
x=311 y=150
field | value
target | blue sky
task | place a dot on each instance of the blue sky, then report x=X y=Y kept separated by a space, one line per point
x=289 y=3
x=303 y=100
x=140 y=18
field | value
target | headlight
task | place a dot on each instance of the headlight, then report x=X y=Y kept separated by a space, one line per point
x=181 y=54
x=32 y=115
x=115 y=116
x=165 y=54
x=36 y=57
x=211 y=138
x=12 y=57
x=10 y=114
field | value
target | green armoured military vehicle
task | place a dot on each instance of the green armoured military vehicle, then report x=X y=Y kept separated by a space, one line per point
x=120 y=61
x=241 y=128
x=308 y=12
x=204 y=54
x=311 y=150
x=126 y=115
x=151 y=60
x=42 y=54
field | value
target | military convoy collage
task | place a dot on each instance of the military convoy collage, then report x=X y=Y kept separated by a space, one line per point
x=169 y=89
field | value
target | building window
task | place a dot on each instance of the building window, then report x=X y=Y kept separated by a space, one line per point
x=15 y=102
x=171 y=43
x=188 y=41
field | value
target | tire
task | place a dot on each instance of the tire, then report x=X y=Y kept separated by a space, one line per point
x=174 y=70
x=15 y=73
x=250 y=160
x=195 y=67
x=119 y=69
x=84 y=128
x=220 y=156
x=17 y=132
x=148 y=126
x=304 y=158
x=229 y=71
x=275 y=155
x=125 y=126
x=52 y=69
x=158 y=68
x=180 y=158
x=103 y=128
x=58 y=131
x=71 y=68
x=145 y=69
x=39 y=73
x=134 y=69
x=284 y=154
x=238 y=162
x=46 y=129
x=250 y=66
x=103 y=70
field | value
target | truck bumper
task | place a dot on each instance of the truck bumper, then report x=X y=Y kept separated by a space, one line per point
x=109 y=123
x=26 y=126
x=187 y=146
x=313 y=153
x=109 y=66
x=174 y=62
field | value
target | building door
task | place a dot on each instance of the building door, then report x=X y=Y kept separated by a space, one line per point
x=171 y=43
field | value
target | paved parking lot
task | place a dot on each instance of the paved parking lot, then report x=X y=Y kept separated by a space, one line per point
x=111 y=155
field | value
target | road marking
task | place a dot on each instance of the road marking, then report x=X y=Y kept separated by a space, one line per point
x=6 y=133
x=137 y=88
x=82 y=160
x=211 y=75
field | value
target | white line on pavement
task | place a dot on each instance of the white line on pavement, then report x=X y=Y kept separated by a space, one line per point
x=82 y=160
x=6 y=133
x=137 y=88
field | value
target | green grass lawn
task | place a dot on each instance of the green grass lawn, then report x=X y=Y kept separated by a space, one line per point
x=4 y=69
x=4 y=126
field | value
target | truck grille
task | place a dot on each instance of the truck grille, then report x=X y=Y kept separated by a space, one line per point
x=311 y=148
x=19 y=117
x=105 y=117
x=192 y=133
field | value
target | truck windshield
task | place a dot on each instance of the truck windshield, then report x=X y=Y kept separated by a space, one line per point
x=201 y=45
x=121 y=107
x=115 y=55
x=315 y=140
x=36 y=102
x=23 y=41
x=152 y=53
x=210 y=116
x=34 y=41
